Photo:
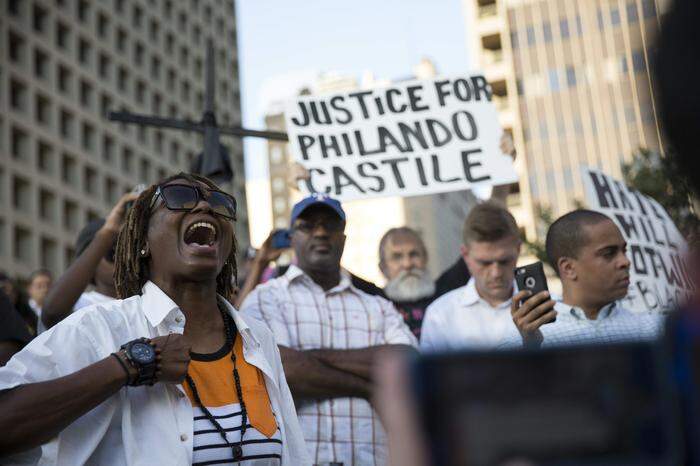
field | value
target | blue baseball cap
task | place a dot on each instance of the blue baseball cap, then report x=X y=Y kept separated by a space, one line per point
x=317 y=199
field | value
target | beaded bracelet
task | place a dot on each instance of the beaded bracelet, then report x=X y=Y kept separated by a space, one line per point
x=123 y=364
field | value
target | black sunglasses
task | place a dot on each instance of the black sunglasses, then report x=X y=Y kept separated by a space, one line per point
x=184 y=197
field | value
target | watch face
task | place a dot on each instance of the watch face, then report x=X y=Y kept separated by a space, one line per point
x=142 y=353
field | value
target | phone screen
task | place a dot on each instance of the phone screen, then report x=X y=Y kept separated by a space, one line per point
x=281 y=239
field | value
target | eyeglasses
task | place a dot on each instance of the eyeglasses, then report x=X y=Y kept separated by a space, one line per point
x=184 y=197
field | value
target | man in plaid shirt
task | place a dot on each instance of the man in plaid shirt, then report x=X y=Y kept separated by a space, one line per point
x=328 y=333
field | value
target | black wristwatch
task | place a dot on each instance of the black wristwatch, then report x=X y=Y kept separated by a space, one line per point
x=141 y=354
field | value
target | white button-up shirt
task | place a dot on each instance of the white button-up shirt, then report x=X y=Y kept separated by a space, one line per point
x=40 y=327
x=303 y=316
x=462 y=319
x=614 y=324
x=88 y=298
x=147 y=425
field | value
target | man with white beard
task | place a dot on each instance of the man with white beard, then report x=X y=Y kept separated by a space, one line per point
x=403 y=259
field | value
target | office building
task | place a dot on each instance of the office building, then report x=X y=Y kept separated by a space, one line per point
x=66 y=63
x=573 y=83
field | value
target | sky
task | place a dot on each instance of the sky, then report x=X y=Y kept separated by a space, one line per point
x=284 y=43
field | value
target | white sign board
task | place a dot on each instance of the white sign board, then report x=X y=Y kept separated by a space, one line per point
x=658 y=274
x=418 y=137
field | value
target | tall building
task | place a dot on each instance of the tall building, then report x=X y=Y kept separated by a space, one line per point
x=63 y=65
x=437 y=217
x=572 y=82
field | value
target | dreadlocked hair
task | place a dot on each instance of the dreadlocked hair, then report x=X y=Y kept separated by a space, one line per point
x=131 y=270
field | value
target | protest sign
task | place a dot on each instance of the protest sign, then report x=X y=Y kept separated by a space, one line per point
x=659 y=276
x=418 y=137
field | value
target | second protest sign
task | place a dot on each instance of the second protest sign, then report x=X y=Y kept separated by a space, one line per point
x=418 y=137
x=659 y=275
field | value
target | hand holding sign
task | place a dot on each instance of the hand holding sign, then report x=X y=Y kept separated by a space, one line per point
x=507 y=146
x=296 y=175
x=413 y=138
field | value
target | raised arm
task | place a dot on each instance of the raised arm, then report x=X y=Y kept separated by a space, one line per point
x=263 y=257
x=65 y=292
x=500 y=193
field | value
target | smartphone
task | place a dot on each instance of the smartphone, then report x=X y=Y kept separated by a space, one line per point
x=281 y=239
x=531 y=277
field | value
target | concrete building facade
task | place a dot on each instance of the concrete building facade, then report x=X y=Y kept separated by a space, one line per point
x=573 y=83
x=63 y=65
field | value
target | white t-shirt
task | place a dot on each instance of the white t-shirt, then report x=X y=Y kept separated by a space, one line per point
x=40 y=327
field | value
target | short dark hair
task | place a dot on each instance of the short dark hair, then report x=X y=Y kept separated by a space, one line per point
x=488 y=222
x=400 y=232
x=38 y=273
x=566 y=236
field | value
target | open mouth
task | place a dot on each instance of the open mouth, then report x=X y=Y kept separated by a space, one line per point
x=201 y=234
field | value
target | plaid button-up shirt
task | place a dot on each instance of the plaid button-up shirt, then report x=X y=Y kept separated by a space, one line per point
x=614 y=324
x=303 y=316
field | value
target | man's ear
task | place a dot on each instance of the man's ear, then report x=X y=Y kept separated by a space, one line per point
x=464 y=251
x=342 y=243
x=382 y=268
x=567 y=268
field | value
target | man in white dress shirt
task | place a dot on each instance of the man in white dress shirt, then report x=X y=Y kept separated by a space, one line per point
x=588 y=252
x=478 y=314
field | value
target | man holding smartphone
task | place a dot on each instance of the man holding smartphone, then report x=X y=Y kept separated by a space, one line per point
x=477 y=315
x=588 y=253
